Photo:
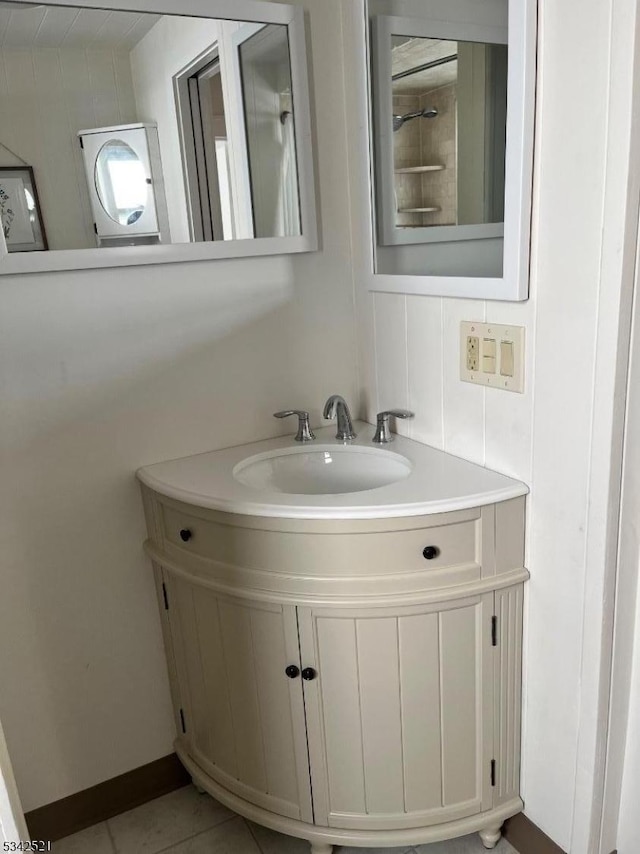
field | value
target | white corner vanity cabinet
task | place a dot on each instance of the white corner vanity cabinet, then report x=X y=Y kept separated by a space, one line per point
x=126 y=184
x=343 y=635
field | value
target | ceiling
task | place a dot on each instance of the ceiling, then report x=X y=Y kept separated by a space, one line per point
x=71 y=27
x=408 y=53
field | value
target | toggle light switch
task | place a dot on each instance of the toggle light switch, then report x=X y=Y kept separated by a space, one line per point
x=489 y=355
x=506 y=358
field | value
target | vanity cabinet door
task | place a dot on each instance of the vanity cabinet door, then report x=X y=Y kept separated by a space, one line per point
x=508 y=693
x=399 y=713
x=243 y=715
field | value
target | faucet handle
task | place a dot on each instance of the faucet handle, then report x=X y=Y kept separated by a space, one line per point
x=304 y=433
x=383 y=433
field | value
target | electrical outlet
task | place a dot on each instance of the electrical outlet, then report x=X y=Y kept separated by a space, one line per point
x=492 y=355
x=473 y=352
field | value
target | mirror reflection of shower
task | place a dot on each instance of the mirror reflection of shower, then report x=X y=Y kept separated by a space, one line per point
x=427 y=113
x=449 y=171
x=424 y=75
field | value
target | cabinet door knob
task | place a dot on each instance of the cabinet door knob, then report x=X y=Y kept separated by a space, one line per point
x=185 y=535
x=309 y=673
x=292 y=671
x=429 y=552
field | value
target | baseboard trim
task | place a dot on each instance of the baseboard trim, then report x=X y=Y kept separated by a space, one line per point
x=108 y=799
x=527 y=838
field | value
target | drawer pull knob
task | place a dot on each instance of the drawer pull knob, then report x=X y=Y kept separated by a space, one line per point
x=185 y=535
x=309 y=673
x=429 y=552
x=292 y=671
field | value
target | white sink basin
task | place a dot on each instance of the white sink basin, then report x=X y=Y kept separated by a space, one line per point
x=326 y=479
x=322 y=469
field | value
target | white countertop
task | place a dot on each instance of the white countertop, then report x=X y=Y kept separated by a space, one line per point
x=438 y=483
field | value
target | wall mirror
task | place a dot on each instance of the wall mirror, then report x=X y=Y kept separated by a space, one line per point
x=451 y=110
x=152 y=136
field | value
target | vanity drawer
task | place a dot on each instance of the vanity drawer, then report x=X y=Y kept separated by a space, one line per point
x=348 y=553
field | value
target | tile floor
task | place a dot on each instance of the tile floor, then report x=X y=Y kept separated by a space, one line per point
x=185 y=822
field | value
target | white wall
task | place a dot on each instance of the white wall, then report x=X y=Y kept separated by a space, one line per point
x=104 y=371
x=558 y=436
x=46 y=96
x=167 y=48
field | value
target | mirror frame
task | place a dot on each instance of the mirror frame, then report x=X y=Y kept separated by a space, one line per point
x=513 y=285
x=234 y=10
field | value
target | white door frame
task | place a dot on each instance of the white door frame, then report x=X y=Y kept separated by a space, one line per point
x=611 y=590
x=623 y=726
x=13 y=827
x=598 y=766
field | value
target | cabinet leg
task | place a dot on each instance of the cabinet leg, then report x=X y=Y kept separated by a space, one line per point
x=321 y=848
x=491 y=835
x=198 y=788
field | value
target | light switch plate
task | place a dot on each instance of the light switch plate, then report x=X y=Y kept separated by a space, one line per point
x=490 y=338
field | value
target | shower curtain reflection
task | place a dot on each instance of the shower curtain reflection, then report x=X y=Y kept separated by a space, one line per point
x=288 y=212
x=268 y=113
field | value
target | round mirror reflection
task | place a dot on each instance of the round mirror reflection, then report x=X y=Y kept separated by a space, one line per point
x=121 y=182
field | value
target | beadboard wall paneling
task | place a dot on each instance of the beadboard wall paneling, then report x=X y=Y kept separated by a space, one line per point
x=46 y=96
x=464 y=408
x=425 y=369
x=390 y=333
x=562 y=436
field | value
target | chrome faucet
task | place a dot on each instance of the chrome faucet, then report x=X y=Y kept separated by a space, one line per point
x=383 y=432
x=304 y=433
x=336 y=406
